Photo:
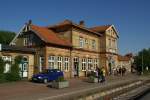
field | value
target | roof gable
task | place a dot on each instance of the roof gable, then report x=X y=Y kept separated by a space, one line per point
x=102 y=29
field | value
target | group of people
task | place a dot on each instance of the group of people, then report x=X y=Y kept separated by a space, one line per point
x=100 y=74
x=119 y=71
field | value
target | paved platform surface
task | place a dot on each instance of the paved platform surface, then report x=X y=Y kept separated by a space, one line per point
x=24 y=90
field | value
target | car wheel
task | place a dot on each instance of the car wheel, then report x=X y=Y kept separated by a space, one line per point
x=45 y=80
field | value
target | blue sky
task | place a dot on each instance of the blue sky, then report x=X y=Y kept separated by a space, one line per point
x=131 y=17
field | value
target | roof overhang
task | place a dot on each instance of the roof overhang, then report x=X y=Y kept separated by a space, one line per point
x=8 y=48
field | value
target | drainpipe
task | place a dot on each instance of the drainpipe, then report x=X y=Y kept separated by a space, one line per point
x=71 y=64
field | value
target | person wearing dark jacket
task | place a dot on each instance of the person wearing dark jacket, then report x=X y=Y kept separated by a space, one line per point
x=98 y=71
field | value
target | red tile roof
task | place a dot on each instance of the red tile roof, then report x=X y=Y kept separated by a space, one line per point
x=49 y=36
x=65 y=22
x=68 y=22
x=100 y=28
x=123 y=58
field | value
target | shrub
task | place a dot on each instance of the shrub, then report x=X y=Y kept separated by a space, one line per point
x=13 y=75
x=2 y=78
x=2 y=64
x=92 y=73
x=60 y=79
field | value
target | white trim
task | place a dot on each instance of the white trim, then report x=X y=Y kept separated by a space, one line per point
x=117 y=33
x=17 y=35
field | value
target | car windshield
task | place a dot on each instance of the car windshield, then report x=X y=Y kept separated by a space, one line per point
x=48 y=71
x=44 y=72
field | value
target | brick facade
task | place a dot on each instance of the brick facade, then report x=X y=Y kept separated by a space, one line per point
x=70 y=47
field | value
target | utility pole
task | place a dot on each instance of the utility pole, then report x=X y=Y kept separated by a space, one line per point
x=142 y=63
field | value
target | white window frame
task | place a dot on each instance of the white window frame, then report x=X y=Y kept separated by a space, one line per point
x=8 y=65
x=93 y=44
x=89 y=64
x=84 y=63
x=41 y=59
x=81 y=42
x=26 y=40
x=51 y=62
x=59 y=62
x=86 y=41
x=95 y=63
x=66 y=63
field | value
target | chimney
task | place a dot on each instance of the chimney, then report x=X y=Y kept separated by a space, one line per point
x=30 y=22
x=81 y=23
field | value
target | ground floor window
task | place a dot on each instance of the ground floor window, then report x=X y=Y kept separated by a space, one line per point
x=84 y=64
x=51 y=62
x=95 y=63
x=41 y=63
x=59 y=62
x=89 y=64
x=66 y=63
x=8 y=60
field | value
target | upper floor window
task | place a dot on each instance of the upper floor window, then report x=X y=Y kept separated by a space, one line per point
x=81 y=42
x=28 y=40
x=109 y=42
x=25 y=41
x=86 y=41
x=93 y=44
x=113 y=43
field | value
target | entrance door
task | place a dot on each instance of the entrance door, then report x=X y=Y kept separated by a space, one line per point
x=24 y=68
x=76 y=66
x=110 y=68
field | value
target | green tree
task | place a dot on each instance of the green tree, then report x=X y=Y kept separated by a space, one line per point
x=14 y=74
x=6 y=37
x=143 y=59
